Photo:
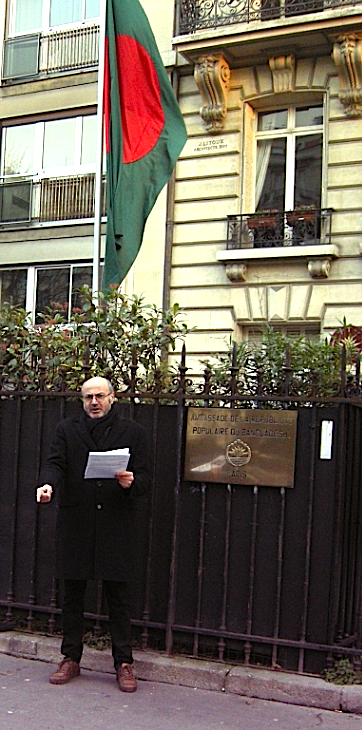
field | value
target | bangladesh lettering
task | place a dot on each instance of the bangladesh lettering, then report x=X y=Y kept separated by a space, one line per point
x=251 y=432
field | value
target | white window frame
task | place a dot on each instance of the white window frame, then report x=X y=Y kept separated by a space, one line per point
x=45 y=27
x=34 y=282
x=38 y=170
x=290 y=133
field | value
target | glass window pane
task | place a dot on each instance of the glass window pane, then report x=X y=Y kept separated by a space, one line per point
x=309 y=116
x=52 y=291
x=59 y=143
x=272 y=120
x=15 y=201
x=89 y=140
x=308 y=170
x=13 y=287
x=65 y=11
x=92 y=9
x=21 y=57
x=81 y=275
x=28 y=15
x=19 y=150
x=270 y=174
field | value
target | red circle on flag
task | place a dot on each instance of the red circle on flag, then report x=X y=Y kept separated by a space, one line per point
x=142 y=114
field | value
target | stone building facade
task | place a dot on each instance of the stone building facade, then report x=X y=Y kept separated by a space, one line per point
x=262 y=222
x=274 y=117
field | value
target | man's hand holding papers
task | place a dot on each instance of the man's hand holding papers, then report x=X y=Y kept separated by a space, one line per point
x=109 y=465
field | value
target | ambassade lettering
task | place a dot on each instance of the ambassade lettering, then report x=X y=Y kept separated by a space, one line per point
x=244 y=417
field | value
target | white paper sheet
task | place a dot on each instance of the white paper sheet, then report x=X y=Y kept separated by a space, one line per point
x=105 y=464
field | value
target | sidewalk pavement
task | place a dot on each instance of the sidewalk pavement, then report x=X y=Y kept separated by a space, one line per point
x=266 y=684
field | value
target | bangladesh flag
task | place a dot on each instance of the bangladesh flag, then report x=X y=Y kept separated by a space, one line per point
x=144 y=132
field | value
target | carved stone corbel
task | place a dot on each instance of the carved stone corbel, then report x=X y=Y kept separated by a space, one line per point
x=319 y=268
x=212 y=75
x=347 y=55
x=283 y=73
x=236 y=272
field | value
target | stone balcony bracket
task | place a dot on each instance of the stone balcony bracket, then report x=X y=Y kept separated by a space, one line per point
x=319 y=268
x=283 y=73
x=236 y=272
x=212 y=76
x=347 y=55
x=317 y=258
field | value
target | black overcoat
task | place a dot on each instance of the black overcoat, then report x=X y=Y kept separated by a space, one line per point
x=95 y=520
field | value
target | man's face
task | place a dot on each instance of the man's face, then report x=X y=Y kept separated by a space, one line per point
x=97 y=400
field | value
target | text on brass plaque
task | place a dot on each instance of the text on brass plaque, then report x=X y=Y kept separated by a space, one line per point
x=237 y=446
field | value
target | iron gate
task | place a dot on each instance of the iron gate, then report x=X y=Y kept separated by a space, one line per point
x=245 y=574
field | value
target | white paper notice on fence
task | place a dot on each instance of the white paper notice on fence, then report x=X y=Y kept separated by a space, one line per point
x=105 y=464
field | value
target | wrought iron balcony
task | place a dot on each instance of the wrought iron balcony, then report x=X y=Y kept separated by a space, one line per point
x=304 y=226
x=196 y=15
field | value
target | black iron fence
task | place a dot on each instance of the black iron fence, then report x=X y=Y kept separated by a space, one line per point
x=193 y=15
x=275 y=228
x=241 y=573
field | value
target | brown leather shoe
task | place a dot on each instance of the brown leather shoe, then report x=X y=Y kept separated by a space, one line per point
x=67 y=670
x=125 y=678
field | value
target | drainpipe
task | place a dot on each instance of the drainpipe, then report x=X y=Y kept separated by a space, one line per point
x=169 y=221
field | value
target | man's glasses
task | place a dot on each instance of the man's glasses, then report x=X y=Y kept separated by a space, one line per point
x=98 y=396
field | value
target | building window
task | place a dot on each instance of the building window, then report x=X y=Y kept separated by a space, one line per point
x=44 y=288
x=56 y=162
x=57 y=289
x=47 y=148
x=289 y=158
x=27 y=16
x=13 y=287
x=254 y=333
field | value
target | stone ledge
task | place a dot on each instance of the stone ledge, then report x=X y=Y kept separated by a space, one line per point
x=266 y=255
x=151 y=666
x=283 y=687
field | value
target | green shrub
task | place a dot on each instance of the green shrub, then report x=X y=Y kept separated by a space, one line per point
x=103 y=334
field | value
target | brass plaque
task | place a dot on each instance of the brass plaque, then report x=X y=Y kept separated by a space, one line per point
x=237 y=446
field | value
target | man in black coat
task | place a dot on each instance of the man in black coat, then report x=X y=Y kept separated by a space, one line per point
x=94 y=533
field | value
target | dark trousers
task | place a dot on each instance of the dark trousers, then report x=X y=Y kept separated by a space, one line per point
x=117 y=595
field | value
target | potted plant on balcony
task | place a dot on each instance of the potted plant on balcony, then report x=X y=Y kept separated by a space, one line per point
x=304 y=220
x=301 y=213
x=263 y=219
x=265 y=228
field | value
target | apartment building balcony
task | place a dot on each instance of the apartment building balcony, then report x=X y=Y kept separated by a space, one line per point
x=273 y=236
x=27 y=201
x=41 y=54
x=239 y=28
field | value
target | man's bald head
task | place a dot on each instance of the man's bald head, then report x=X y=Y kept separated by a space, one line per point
x=98 y=396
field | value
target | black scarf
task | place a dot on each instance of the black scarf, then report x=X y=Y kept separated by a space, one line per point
x=99 y=428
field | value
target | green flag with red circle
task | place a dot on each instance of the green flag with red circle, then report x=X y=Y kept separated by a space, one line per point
x=144 y=132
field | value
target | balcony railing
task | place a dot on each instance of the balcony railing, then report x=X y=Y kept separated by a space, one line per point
x=50 y=199
x=272 y=229
x=196 y=15
x=55 y=52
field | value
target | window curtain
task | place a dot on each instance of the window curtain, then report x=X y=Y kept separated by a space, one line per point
x=65 y=11
x=262 y=159
x=28 y=15
x=262 y=163
x=92 y=9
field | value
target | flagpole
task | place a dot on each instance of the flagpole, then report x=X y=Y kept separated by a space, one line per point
x=99 y=160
